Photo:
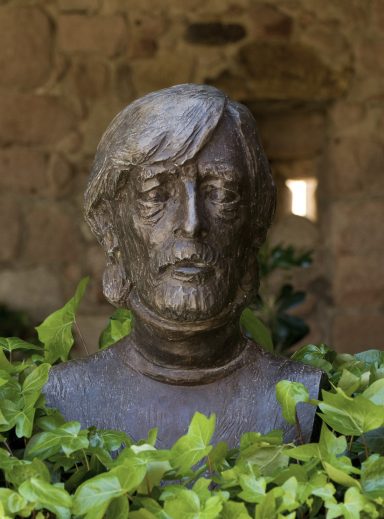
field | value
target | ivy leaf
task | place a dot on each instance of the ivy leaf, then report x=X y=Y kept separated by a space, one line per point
x=33 y=384
x=194 y=446
x=67 y=438
x=350 y=416
x=130 y=472
x=375 y=392
x=118 y=508
x=257 y=330
x=339 y=476
x=348 y=382
x=10 y=344
x=22 y=470
x=353 y=504
x=289 y=394
x=233 y=510
x=119 y=326
x=372 y=476
x=94 y=496
x=56 y=331
x=12 y=503
x=55 y=499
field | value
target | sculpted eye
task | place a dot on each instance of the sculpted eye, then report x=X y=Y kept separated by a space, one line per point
x=157 y=195
x=222 y=195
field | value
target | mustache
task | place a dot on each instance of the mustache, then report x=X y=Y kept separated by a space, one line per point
x=181 y=251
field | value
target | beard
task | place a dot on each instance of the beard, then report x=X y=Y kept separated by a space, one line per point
x=200 y=297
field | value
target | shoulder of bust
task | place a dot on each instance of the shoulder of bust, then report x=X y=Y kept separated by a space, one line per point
x=79 y=373
x=282 y=368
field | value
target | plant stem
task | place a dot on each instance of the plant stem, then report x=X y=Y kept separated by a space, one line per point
x=298 y=429
x=81 y=338
x=350 y=444
x=365 y=447
x=8 y=447
x=86 y=460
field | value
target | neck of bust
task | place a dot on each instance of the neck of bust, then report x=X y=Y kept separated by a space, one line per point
x=192 y=345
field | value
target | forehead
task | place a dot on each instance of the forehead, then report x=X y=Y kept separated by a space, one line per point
x=224 y=148
x=223 y=155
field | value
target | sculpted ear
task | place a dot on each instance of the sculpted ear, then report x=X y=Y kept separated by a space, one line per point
x=116 y=286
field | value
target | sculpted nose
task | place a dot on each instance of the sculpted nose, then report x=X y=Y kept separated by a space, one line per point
x=190 y=223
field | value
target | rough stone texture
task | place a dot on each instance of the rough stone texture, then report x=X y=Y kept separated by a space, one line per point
x=35 y=290
x=52 y=236
x=289 y=71
x=79 y=5
x=358 y=331
x=26 y=170
x=312 y=74
x=25 y=43
x=9 y=228
x=33 y=119
x=356 y=229
x=292 y=135
x=103 y=35
x=359 y=280
x=214 y=33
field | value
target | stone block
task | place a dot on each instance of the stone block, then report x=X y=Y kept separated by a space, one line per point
x=214 y=33
x=358 y=331
x=292 y=135
x=79 y=5
x=25 y=42
x=35 y=290
x=294 y=230
x=273 y=70
x=102 y=35
x=29 y=171
x=146 y=29
x=52 y=235
x=296 y=169
x=10 y=228
x=33 y=119
x=165 y=70
x=267 y=21
x=356 y=227
x=354 y=165
x=23 y=170
x=100 y=115
x=359 y=280
x=88 y=79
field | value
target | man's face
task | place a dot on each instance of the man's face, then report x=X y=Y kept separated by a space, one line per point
x=183 y=230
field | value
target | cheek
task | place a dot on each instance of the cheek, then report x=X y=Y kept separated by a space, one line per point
x=152 y=234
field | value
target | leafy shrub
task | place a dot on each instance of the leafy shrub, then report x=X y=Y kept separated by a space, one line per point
x=274 y=303
x=52 y=468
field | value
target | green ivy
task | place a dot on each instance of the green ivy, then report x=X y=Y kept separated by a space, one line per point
x=52 y=468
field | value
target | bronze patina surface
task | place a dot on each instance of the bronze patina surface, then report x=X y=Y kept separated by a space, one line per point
x=181 y=197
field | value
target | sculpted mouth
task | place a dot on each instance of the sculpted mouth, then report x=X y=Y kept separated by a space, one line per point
x=190 y=270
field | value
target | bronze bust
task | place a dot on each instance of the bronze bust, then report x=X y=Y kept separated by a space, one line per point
x=181 y=197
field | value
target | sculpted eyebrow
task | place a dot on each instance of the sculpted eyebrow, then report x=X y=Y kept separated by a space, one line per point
x=149 y=174
x=219 y=171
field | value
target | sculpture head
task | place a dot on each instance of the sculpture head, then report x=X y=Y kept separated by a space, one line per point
x=181 y=198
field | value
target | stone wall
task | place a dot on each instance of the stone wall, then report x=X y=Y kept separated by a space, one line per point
x=312 y=73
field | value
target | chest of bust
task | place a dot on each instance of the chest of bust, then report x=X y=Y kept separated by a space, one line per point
x=110 y=395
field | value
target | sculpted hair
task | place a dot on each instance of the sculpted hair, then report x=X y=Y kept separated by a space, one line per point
x=171 y=126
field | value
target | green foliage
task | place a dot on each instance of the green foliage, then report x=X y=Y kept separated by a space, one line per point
x=256 y=329
x=119 y=326
x=52 y=468
x=274 y=302
x=56 y=331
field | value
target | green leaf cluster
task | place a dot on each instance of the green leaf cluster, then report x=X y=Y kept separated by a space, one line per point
x=52 y=468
